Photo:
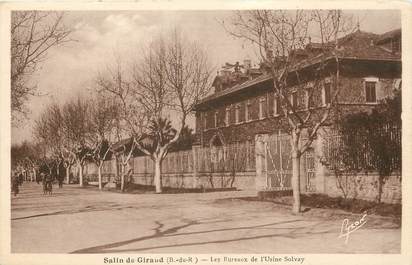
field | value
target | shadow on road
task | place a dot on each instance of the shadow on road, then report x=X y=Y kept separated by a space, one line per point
x=171 y=232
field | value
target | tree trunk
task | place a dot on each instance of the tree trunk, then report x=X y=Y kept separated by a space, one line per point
x=380 y=188
x=122 y=177
x=33 y=176
x=296 y=172
x=99 y=174
x=80 y=174
x=158 y=175
x=68 y=174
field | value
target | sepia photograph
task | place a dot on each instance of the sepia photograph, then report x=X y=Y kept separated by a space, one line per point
x=248 y=132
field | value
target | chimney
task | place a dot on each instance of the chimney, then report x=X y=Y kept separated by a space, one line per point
x=224 y=72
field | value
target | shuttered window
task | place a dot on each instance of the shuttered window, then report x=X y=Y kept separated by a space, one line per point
x=370 y=89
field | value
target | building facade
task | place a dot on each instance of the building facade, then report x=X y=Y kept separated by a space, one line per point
x=244 y=103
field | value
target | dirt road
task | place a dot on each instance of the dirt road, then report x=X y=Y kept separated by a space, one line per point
x=84 y=220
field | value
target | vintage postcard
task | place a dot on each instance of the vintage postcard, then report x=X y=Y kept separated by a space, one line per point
x=210 y=133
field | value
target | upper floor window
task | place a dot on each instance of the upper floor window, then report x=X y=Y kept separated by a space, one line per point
x=227 y=116
x=309 y=98
x=205 y=120
x=326 y=95
x=261 y=108
x=294 y=99
x=397 y=84
x=247 y=111
x=276 y=109
x=237 y=112
x=370 y=91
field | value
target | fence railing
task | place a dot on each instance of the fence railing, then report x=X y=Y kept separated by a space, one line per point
x=364 y=150
x=238 y=157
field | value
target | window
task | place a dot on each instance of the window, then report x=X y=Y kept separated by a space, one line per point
x=370 y=89
x=247 y=111
x=294 y=99
x=237 y=110
x=276 y=106
x=227 y=116
x=261 y=108
x=396 y=45
x=216 y=119
x=397 y=84
x=309 y=98
x=205 y=120
x=326 y=98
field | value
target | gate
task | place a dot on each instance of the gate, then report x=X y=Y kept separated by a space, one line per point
x=278 y=162
x=278 y=165
x=310 y=170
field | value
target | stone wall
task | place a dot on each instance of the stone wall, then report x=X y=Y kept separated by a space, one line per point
x=196 y=172
x=364 y=186
x=241 y=181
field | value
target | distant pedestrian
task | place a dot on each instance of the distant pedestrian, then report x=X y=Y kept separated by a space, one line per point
x=60 y=180
x=61 y=175
x=20 y=179
x=47 y=184
x=15 y=184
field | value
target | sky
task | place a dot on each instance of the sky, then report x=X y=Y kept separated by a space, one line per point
x=99 y=36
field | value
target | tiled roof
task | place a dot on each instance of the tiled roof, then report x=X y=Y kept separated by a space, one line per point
x=357 y=45
x=389 y=35
x=118 y=145
x=128 y=141
x=238 y=87
x=362 y=45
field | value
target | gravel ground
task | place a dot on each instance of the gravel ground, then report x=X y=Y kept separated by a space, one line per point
x=86 y=220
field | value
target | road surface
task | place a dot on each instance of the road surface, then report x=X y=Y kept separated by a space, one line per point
x=86 y=220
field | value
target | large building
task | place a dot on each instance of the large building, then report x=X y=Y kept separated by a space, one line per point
x=244 y=104
x=231 y=123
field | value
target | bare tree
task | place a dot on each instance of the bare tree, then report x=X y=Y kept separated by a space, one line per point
x=24 y=157
x=279 y=35
x=50 y=135
x=33 y=34
x=169 y=79
x=103 y=114
x=129 y=121
x=172 y=77
x=77 y=132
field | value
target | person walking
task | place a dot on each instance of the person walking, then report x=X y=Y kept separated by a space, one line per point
x=20 y=179
x=49 y=184
x=43 y=172
x=15 y=184
x=61 y=175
